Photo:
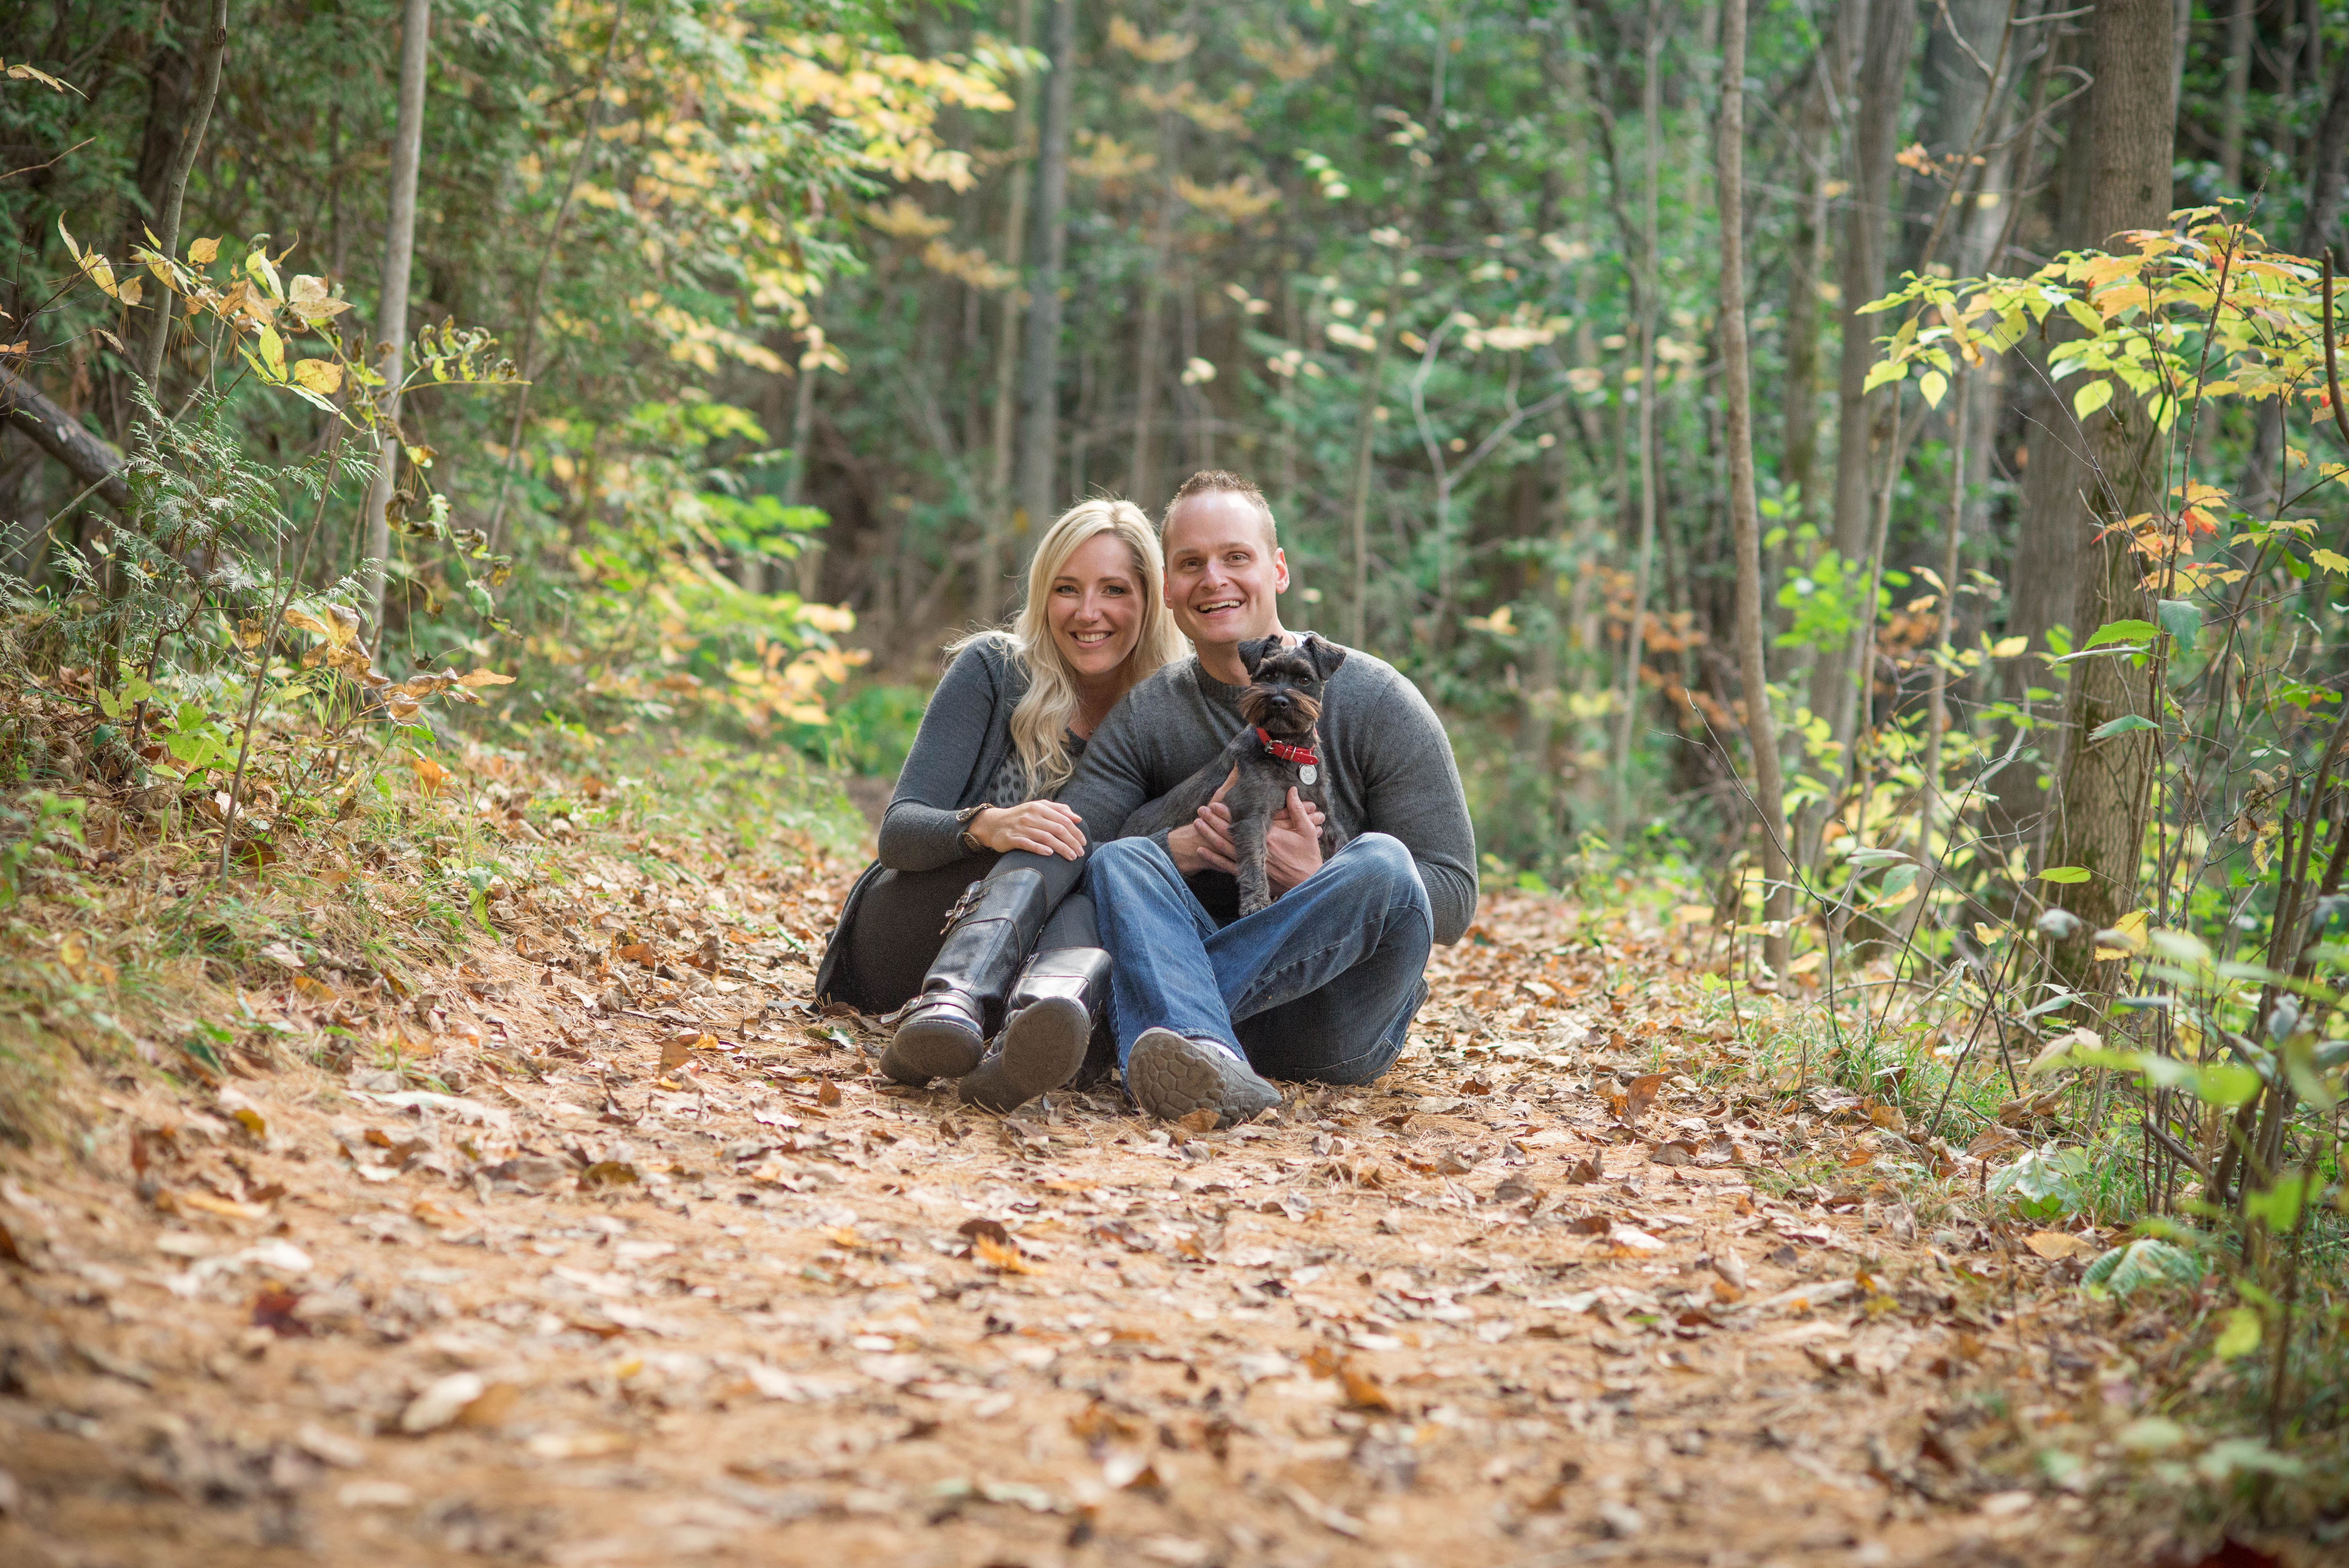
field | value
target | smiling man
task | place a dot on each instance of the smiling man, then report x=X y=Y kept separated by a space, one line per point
x=1323 y=984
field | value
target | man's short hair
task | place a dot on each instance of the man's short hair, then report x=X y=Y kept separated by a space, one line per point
x=1212 y=481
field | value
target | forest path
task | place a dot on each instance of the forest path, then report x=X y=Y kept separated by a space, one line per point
x=760 y=1306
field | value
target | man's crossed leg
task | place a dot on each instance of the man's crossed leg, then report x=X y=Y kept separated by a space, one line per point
x=1322 y=986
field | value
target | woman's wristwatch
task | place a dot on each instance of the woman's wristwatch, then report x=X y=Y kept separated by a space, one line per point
x=965 y=817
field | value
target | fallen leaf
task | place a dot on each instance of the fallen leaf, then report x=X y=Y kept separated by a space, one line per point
x=1584 y=1172
x=1362 y=1390
x=1474 y=1086
x=441 y=1403
x=983 y=1229
x=1200 y=1121
x=998 y=1256
x=1679 y=1151
x=677 y=1049
x=608 y=1173
x=2054 y=1245
x=827 y=1093
x=272 y=1309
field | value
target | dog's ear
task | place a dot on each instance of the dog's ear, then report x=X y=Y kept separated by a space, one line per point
x=1255 y=650
x=1325 y=655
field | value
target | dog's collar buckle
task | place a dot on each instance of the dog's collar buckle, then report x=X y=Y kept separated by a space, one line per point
x=1307 y=759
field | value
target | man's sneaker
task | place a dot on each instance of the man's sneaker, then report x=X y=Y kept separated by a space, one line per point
x=1170 y=1076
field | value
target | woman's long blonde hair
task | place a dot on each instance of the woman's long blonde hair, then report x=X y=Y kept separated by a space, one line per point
x=1040 y=725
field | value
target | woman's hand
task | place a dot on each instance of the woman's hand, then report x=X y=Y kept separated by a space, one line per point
x=1042 y=826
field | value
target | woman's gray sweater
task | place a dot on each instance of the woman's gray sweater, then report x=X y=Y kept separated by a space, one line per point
x=958 y=753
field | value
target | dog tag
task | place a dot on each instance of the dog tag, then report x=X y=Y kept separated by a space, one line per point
x=1308 y=774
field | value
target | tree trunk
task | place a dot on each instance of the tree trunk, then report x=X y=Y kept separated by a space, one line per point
x=2104 y=783
x=1884 y=66
x=810 y=560
x=175 y=187
x=2045 y=570
x=391 y=309
x=2242 y=24
x=1807 y=250
x=1149 y=371
x=988 y=573
x=1039 y=391
x=1744 y=515
x=1635 y=639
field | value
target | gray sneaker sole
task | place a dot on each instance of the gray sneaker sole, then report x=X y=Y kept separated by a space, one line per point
x=1170 y=1076
x=927 y=1048
x=1043 y=1045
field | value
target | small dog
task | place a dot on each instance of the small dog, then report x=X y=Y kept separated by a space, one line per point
x=1278 y=751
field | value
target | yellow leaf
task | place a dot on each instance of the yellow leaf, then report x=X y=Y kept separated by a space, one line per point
x=2091 y=397
x=1932 y=385
x=273 y=351
x=203 y=252
x=1806 y=963
x=1985 y=933
x=322 y=377
x=2331 y=560
x=2007 y=647
x=483 y=677
x=1692 y=915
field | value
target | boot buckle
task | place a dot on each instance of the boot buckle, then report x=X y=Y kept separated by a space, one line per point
x=962 y=905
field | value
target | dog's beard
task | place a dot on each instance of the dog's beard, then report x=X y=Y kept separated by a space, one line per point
x=1297 y=718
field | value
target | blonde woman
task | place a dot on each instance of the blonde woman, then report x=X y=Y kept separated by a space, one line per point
x=979 y=862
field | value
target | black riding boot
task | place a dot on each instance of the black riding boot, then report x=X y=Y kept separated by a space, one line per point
x=1053 y=1013
x=944 y=1031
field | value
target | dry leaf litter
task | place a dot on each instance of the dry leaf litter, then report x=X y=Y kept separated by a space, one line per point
x=639 y=1262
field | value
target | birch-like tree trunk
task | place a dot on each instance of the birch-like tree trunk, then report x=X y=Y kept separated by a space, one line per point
x=1635 y=639
x=1744 y=515
x=1039 y=389
x=988 y=573
x=391 y=309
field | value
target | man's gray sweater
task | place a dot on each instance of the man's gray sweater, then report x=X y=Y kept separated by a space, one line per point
x=1388 y=761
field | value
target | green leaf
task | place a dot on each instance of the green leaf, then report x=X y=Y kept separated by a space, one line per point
x=273 y=353
x=2123 y=632
x=2085 y=314
x=2240 y=1336
x=2278 y=1208
x=2122 y=726
x=2228 y=1084
x=1883 y=371
x=2064 y=875
x=2183 y=621
x=2091 y=397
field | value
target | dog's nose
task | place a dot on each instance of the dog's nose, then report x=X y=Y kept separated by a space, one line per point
x=1279 y=700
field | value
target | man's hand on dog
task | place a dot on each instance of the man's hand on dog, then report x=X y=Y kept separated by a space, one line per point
x=1292 y=840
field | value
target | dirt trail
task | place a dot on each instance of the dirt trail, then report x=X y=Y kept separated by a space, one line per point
x=761 y=1306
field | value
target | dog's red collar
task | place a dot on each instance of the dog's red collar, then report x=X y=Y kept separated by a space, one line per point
x=1303 y=756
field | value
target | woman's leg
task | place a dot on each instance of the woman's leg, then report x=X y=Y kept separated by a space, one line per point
x=899 y=926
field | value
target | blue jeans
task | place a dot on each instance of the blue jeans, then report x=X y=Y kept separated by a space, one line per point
x=1321 y=985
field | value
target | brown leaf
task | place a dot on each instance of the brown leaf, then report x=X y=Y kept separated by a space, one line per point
x=273 y=1308
x=1203 y=1119
x=639 y=952
x=492 y=1409
x=1362 y=1390
x=1679 y=1151
x=1120 y=1233
x=999 y=1256
x=2056 y=1245
x=8 y=1249
x=1474 y=1086
x=1584 y=1172
x=1641 y=1095
x=827 y=1093
x=677 y=1049
x=1589 y=1224
x=608 y=1173
x=985 y=1229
